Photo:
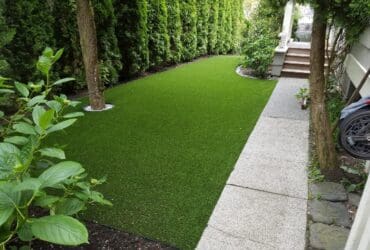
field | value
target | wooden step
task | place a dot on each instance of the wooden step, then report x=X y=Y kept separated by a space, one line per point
x=295 y=73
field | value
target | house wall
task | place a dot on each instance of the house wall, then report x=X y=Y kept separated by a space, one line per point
x=357 y=63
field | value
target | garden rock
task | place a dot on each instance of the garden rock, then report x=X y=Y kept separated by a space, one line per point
x=327 y=237
x=354 y=199
x=329 y=191
x=329 y=213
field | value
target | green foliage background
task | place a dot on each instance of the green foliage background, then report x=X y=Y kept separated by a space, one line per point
x=133 y=36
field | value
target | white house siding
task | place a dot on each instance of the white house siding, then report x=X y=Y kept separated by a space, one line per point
x=358 y=62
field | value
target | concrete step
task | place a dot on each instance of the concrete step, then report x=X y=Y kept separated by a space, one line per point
x=299 y=51
x=297 y=57
x=297 y=65
x=298 y=73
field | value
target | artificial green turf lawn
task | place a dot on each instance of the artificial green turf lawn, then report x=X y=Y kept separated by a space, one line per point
x=168 y=146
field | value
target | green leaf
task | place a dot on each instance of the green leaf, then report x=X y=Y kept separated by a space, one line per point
x=61 y=125
x=18 y=140
x=48 y=52
x=29 y=184
x=53 y=152
x=60 y=229
x=24 y=232
x=37 y=112
x=99 y=198
x=73 y=115
x=64 y=80
x=7 y=148
x=44 y=64
x=5 y=213
x=46 y=200
x=1 y=114
x=24 y=128
x=69 y=206
x=22 y=88
x=46 y=119
x=57 y=55
x=55 y=105
x=60 y=172
x=36 y=100
x=6 y=91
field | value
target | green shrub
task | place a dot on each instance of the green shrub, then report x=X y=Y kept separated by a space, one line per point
x=33 y=24
x=189 y=29
x=132 y=34
x=109 y=53
x=159 y=43
x=174 y=27
x=261 y=38
x=213 y=27
x=202 y=26
x=38 y=178
x=221 y=31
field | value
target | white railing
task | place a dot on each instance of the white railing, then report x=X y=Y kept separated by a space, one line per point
x=359 y=237
x=286 y=32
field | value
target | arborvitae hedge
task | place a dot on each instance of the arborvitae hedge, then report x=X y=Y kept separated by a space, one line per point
x=159 y=42
x=33 y=23
x=189 y=28
x=202 y=26
x=213 y=26
x=6 y=36
x=174 y=30
x=133 y=35
x=109 y=53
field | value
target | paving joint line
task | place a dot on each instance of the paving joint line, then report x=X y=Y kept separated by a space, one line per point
x=241 y=237
x=264 y=191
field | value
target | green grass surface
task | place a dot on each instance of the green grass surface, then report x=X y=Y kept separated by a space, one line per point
x=168 y=146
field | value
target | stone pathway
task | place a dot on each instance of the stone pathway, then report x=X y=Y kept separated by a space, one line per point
x=331 y=212
x=264 y=203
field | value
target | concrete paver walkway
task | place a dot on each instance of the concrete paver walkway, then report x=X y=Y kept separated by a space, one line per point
x=264 y=203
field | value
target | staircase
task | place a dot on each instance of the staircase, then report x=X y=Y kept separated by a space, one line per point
x=297 y=62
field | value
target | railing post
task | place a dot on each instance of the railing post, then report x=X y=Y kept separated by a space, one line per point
x=359 y=237
x=285 y=36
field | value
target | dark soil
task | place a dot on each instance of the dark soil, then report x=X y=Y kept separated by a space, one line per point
x=103 y=237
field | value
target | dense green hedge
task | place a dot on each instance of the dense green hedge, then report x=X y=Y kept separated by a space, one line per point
x=159 y=41
x=174 y=27
x=133 y=35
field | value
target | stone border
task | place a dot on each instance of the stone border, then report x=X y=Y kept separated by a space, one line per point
x=239 y=72
x=107 y=107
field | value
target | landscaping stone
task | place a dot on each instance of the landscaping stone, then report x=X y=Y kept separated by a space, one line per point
x=354 y=199
x=329 y=191
x=329 y=213
x=328 y=237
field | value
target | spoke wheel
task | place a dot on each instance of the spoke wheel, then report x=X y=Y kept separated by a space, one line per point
x=354 y=134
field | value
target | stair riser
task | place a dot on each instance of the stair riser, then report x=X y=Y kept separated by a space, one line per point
x=296 y=66
x=294 y=75
x=297 y=59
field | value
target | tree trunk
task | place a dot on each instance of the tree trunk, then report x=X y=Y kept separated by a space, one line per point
x=323 y=138
x=88 y=41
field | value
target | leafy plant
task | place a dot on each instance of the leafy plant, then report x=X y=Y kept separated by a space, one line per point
x=35 y=177
x=357 y=171
x=302 y=94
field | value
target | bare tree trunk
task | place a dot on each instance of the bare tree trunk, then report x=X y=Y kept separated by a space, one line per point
x=88 y=41
x=324 y=143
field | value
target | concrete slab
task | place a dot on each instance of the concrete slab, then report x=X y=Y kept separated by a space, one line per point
x=215 y=239
x=264 y=204
x=282 y=177
x=274 y=220
x=283 y=103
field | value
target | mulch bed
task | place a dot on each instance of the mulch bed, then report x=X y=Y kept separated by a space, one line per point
x=103 y=237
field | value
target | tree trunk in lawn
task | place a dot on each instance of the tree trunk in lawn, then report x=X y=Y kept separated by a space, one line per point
x=88 y=41
x=323 y=138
